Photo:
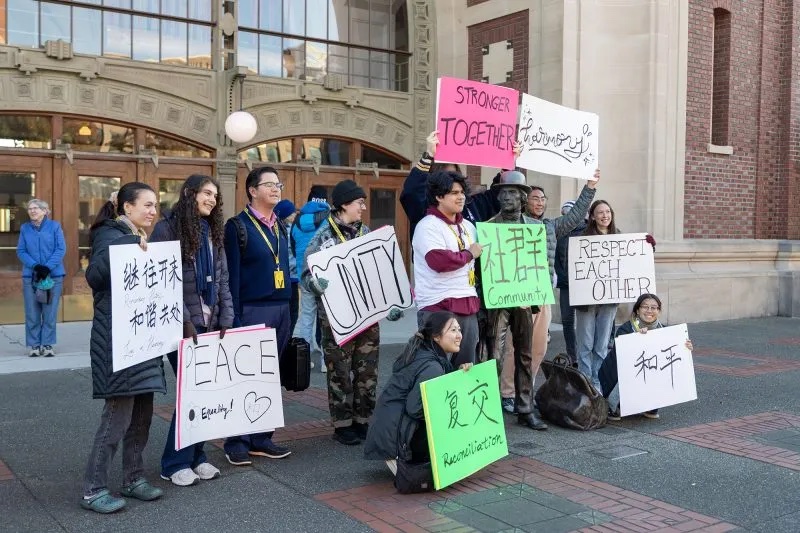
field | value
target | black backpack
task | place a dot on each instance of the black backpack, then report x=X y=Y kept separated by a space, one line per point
x=241 y=231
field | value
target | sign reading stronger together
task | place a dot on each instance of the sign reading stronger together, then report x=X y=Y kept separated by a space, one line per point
x=227 y=387
x=464 y=422
x=514 y=268
x=366 y=278
x=476 y=122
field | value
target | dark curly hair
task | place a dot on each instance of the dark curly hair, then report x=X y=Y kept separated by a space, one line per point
x=440 y=183
x=186 y=216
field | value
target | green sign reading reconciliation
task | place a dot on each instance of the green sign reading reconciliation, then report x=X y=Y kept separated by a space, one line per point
x=514 y=269
x=464 y=422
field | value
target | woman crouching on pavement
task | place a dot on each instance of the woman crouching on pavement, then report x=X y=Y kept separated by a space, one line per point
x=128 y=393
x=644 y=317
x=196 y=221
x=399 y=426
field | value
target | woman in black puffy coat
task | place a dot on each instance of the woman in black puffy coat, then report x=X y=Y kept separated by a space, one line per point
x=128 y=393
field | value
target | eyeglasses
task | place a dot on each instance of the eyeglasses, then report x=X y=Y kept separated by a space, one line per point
x=271 y=185
x=361 y=203
x=649 y=308
x=538 y=198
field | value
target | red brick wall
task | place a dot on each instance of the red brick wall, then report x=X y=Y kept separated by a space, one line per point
x=747 y=194
x=514 y=28
x=793 y=166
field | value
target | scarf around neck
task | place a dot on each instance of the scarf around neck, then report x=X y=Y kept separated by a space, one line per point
x=205 y=273
x=131 y=226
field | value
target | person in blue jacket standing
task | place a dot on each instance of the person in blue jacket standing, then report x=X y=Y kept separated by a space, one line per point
x=41 y=249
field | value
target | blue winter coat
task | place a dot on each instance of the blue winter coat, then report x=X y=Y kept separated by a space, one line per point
x=42 y=246
x=311 y=216
x=147 y=376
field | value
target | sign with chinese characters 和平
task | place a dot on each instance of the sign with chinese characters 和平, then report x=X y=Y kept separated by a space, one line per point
x=146 y=301
x=655 y=369
x=464 y=422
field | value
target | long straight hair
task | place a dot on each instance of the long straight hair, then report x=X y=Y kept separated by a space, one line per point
x=434 y=325
x=591 y=228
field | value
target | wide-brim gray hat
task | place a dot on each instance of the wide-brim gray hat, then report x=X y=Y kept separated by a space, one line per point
x=513 y=178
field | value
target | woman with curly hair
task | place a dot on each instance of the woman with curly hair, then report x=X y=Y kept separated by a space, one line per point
x=196 y=221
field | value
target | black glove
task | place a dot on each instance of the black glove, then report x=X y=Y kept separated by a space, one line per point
x=41 y=271
x=189 y=331
x=222 y=330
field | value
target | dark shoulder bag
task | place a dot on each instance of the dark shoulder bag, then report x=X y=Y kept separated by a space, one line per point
x=412 y=478
x=568 y=398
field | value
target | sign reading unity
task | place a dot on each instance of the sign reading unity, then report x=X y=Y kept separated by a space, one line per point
x=514 y=268
x=464 y=422
x=655 y=369
x=146 y=301
x=476 y=123
x=227 y=387
x=366 y=278
x=606 y=269
x=556 y=139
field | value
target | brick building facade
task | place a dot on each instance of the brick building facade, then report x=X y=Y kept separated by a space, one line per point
x=743 y=96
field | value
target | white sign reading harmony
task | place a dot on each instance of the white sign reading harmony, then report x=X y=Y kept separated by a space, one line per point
x=227 y=387
x=557 y=140
x=146 y=301
x=655 y=369
x=366 y=278
x=605 y=269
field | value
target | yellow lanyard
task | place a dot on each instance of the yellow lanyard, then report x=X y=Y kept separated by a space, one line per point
x=338 y=231
x=461 y=244
x=275 y=251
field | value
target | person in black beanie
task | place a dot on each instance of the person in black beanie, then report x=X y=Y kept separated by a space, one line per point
x=351 y=399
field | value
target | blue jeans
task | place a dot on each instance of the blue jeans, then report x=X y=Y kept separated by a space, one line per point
x=307 y=326
x=594 y=325
x=40 y=319
x=191 y=456
x=274 y=316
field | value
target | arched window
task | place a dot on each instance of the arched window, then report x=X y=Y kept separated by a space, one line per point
x=324 y=151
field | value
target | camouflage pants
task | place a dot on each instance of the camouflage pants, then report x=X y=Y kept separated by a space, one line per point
x=352 y=374
x=520 y=321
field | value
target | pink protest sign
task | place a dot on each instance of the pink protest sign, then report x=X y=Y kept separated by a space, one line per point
x=476 y=123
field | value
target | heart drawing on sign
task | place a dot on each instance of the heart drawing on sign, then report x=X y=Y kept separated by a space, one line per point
x=255 y=406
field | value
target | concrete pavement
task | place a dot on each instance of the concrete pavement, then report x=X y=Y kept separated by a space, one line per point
x=728 y=461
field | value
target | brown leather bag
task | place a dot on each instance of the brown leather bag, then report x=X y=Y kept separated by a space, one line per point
x=568 y=399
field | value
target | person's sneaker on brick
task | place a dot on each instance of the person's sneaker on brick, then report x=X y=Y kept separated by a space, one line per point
x=270 y=449
x=239 y=459
x=184 y=477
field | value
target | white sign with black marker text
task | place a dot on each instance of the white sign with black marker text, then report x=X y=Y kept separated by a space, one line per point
x=146 y=301
x=557 y=140
x=655 y=369
x=606 y=269
x=227 y=387
x=366 y=278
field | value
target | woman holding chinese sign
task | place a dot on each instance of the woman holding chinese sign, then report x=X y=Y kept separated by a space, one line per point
x=196 y=221
x=351 y=399
x=128 y=394
x=644 y=317
x=594 y=324
x=399 y=426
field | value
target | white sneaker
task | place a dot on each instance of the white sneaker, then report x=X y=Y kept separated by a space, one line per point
x=392 y=464
x=183 y=478
x=323 y=369
x=207 y=471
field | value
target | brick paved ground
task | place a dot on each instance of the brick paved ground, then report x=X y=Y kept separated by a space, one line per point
x=771 y=437
x=741 y=365
x=522 y=494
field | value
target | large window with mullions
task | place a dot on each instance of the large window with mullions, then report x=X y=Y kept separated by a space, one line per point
x=364 y=41
x=177 y=32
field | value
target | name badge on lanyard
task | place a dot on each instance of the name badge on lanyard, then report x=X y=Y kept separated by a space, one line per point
x=280 y=282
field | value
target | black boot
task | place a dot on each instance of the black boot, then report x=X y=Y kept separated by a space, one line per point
x=346 y=436
x=532 y=421
x=360 y=430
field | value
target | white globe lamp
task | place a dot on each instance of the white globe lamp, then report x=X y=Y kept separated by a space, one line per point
x=241 y=126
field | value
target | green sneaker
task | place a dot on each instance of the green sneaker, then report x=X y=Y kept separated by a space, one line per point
x=103 y=502
x=141 y=489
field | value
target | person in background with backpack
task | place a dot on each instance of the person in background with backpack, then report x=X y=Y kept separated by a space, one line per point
x=287 y=213
x=308 y=221
x=257 y=249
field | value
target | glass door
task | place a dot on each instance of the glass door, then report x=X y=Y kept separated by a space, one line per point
x=21 y=179
x=87 y=186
